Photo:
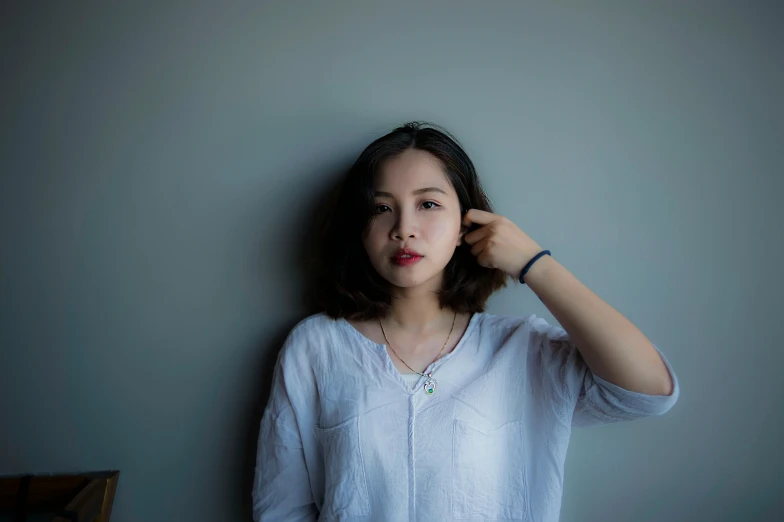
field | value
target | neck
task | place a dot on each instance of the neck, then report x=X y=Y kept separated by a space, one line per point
x=417 y=311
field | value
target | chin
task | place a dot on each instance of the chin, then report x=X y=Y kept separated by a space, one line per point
x=407 y=283
x=409 y=280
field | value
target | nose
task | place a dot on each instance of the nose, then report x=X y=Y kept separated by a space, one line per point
x=405 y=226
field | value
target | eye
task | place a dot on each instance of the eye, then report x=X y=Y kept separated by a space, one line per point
x=430 y=203
x=380 y=209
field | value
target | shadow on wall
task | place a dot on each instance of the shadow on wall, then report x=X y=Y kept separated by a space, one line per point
x=304 y=264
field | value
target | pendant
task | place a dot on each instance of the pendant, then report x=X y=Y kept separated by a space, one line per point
x=430 y=385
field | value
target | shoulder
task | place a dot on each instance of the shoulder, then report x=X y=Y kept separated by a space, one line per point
x=527 y=330
x=493 y=324
x=552 y=360
x=313 y=325
x=530 y=322
x=308 y=334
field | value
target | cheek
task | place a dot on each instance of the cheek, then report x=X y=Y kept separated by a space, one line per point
x=373 y=237
x=444 y=231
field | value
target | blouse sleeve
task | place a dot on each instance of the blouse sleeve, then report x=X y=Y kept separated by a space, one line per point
x=281 y=489
x=593 y=400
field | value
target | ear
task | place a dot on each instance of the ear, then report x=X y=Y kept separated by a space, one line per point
x=463 y=228
x=461 y=235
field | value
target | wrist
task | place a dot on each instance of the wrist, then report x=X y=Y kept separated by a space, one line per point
x=537 y=268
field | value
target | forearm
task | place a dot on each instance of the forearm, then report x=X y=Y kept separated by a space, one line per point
x=613 y=348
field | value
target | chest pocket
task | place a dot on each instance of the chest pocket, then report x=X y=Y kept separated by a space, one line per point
x=346 y=493
x=488 y=472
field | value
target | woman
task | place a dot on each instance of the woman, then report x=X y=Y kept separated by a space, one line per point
x=404 y=400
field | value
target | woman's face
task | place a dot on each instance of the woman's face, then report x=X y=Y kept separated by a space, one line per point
x=418 y=209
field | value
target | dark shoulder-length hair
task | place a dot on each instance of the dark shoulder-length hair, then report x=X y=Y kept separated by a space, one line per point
x=347 y=285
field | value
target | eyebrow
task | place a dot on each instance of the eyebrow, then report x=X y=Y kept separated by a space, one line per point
x=379 y=194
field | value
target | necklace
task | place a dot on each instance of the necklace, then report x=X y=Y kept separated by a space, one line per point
x=430 y=383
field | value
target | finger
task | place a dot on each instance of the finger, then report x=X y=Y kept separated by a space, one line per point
x=477 y=235
x=479 y=247
x=484 y=260
x=480 y=217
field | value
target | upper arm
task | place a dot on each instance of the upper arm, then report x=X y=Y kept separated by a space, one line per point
x=586 y=396
x=282 y=488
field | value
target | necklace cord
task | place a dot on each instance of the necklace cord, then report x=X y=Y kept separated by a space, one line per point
x=439 y=353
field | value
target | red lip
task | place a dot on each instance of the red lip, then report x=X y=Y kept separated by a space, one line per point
x=398 y=258
x=407 y=251
x=406 y=261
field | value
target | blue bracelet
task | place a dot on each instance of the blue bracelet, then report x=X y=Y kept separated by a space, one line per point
x=531 y=262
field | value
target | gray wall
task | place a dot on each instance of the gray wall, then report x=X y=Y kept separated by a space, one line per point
x=161 y=167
